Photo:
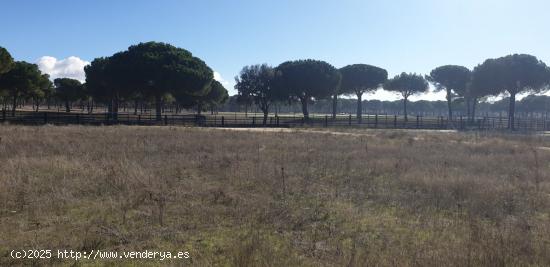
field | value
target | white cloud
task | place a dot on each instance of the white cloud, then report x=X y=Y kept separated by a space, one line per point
x=229 y=85
x=383 y=95
x=218 y=77
x=71 y=67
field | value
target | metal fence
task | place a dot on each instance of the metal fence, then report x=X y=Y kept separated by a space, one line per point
x=228 y=120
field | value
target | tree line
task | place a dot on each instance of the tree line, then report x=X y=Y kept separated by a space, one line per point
x=532 y=106
x=147 y=73
x=308 y=80
x=156 y=73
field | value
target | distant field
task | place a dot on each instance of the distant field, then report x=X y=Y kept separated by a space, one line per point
x=151 y=112
x=305 y=197
x=282 y=120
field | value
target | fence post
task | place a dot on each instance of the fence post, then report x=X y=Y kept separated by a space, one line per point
x=326 y=120
x=277 y=120
x=165 y=119
x=77 y=118
x=417 y=121
x=45 y=117
x=139 y=119
x=223 y=121
x=253 y=120
x=349 y=120
x=395 y=121
x=376 y=120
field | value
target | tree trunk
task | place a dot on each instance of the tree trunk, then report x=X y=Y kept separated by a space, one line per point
x=266 y=112
x=304 y=107
x=405 y=108
x=158 y=107
x=14 y=105
x=449 y=105
x=474 y=105
x=115 y=109
x=511 y=111
x=359 y=107
x=264 y=106
x=469 y=109
x=334 y=105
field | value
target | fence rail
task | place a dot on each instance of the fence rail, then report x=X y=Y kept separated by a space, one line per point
x=368 y=121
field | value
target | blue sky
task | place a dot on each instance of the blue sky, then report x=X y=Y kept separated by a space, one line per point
x=411 y=36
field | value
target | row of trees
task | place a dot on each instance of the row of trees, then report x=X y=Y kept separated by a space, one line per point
x=309 y=80
x=533 y=106
x=156 y=73
x=145 y=73
x=22 y=79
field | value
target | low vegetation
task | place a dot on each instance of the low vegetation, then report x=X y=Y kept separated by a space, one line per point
x=290 y=198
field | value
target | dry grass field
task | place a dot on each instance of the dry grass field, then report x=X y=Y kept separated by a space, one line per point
x=292 y=198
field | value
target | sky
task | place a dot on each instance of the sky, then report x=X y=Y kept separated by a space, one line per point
x=62 y=36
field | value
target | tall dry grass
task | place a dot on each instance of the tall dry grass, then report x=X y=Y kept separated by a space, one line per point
x=238 y=198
